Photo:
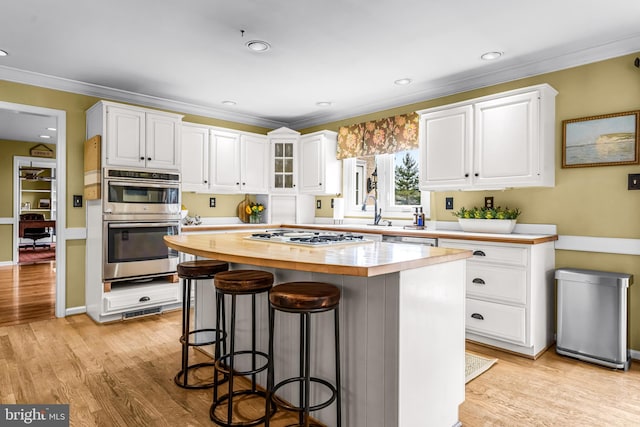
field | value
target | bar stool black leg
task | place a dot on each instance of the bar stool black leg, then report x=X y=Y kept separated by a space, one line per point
x=336 y=322
x=186 y=320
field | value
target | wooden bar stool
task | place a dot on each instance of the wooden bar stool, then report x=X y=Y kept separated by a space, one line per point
x=237 y=283
x=189 y=271
x=305 y=298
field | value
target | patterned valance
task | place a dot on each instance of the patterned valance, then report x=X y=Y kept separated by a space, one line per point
x=383 y=136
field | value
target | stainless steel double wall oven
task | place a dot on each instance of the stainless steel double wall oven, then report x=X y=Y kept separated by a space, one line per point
x=140 y=207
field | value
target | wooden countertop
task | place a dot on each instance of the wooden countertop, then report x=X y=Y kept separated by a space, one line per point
x=525 y=239
x=361 y=259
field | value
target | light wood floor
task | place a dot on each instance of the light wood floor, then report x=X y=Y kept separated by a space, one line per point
x=121 y=374
x=27 y=293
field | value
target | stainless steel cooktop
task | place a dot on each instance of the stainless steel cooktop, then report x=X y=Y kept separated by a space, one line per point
x=307 y=238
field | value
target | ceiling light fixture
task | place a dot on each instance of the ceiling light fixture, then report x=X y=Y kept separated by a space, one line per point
x=52 y=129
x=490 y=56
x=403 y=82
x=45 y=136
x=228 y=102
x=258 y=46
x=3 y=53
x=323 y=103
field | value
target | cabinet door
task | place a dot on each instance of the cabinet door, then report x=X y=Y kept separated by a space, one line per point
x=283 y=162
x=445 y=148
x=195 y=158
x=506 y=141
x=162 y=141
x=224 y=172
x=312 y=164
x=254 y=164
x=125 y=137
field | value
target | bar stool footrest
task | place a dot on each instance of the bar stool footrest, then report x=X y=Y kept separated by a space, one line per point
x=179 y=378
x=223 y=367
x=289 y=407
x=220 y=334
x=225 y=397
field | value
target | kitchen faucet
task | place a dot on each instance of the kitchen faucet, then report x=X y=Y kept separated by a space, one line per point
x=377 y=214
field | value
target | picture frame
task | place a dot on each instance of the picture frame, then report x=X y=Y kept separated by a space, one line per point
x=605 y=140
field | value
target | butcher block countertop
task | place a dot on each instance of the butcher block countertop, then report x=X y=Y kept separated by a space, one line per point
x=352 y=259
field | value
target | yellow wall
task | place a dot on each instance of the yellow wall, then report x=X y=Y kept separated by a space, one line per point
x=585 y=201
x=591 y=201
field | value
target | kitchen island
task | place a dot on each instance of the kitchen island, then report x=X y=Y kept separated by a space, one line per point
x=402 y=323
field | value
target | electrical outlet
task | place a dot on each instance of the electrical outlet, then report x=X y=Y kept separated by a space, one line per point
x=212 y=202
x=77 y=201
x=318 y=204
x=488 y=202
x=634 y=181
x=448 y=203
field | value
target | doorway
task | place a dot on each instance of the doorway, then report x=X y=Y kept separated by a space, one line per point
x=59 y=117
x=34 y=186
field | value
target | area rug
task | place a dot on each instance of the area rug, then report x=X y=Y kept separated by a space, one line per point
x=30 y=256
x=475 y=365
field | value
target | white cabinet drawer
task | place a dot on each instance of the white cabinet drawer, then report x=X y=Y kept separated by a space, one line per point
x=486 y=252
x=145 y=296
x=500 y=283
x=498 y=321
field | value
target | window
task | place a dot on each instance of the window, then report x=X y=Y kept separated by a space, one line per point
x=391 y=178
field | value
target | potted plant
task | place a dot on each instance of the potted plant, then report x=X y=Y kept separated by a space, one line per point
x=487 y=220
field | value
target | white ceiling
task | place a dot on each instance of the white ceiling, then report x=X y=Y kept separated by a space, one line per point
x=190 y=56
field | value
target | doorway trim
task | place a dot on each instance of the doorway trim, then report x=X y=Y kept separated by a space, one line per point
x=61 y=195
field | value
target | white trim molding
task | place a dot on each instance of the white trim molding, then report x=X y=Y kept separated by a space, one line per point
x=75 y=310
x=609 y=245
x=6 y=221
x=77 y=233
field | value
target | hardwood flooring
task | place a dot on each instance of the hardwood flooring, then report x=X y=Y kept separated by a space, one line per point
x=27 y=293
x=121 y=374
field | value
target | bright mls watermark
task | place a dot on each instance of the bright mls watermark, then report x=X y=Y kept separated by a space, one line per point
x=34 y=415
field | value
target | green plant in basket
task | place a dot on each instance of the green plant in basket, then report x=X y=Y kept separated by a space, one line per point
x=487 y=213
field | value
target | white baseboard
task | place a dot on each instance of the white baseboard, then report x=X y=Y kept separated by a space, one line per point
x=75 y=310
x=635 y=354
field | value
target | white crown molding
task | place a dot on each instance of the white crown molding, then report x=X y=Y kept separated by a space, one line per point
x=497 y=73
x=73 y=86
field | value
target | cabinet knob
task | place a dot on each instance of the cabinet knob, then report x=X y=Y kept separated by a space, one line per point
x=477 y=316
x=466 y=175
x=244 y=183
x=141 y=158
x=320 y=183
x=237 y=183
x=149 y=158
x=478 y=281
x=144 y=299
x=479 y=253
x=205 y=181
x=476 y=174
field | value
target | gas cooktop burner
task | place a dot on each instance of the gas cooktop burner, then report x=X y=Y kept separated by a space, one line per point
x=308 y=238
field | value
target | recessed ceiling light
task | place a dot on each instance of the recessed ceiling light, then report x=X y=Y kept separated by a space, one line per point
x=228 y=102
x=52 y=129
x=490 y=56
x=403 y=82
x=45 y=136
x=3 y=53
x=258 y=45
x=323 y=103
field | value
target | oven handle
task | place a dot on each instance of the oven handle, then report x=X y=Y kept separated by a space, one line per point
x=139 y=183
x=143 y=224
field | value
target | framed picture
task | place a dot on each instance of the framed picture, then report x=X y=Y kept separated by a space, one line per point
x=610 y=139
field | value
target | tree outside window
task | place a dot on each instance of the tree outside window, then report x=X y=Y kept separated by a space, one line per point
x=406 y=191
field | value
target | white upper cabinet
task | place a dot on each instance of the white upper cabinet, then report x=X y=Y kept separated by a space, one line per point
x=283 y=145
x=195 y=158
x=499 y=141
x=223 y=161
x=254 y=168
x=136 y=137
x=320 y=171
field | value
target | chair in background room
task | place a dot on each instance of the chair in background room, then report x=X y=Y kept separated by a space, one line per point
x=35 y=234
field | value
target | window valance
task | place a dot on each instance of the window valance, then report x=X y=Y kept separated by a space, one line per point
x=383 y=136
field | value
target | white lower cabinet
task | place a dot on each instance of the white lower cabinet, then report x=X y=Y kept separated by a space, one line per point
x=509 y=294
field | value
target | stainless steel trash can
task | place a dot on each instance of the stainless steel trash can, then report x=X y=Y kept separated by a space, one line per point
x=592 y=316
